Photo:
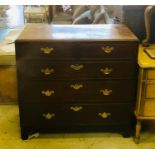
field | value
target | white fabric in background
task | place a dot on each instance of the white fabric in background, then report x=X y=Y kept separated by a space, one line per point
x=13 y=35
x=7 y=46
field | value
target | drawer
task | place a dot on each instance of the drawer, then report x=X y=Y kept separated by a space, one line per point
x=90 y=90
x=74 y=51
x=151 y=74
x=149 y=108
x=43 y=115
x=78 y=69
x=150 y=90
x=109 y=51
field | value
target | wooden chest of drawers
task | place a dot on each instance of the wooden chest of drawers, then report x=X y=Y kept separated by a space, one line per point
x=76 y=78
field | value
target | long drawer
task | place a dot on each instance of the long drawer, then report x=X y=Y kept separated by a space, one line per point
x=150 y=90
x=81 y=114
x=74 y=51
x=77 y=69
x=150 y=75
x=47 y=91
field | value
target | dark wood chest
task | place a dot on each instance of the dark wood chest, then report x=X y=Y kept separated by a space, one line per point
x=76 y=78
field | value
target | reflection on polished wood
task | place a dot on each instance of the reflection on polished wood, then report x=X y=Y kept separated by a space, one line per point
x=107 y=32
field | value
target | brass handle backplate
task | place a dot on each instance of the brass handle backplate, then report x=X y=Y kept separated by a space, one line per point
x=47 y=71
x=76 y=67
x=48 y=115
x=107 y=49
x=47 y=50
x=47 y=92
x=76 y=108
x=76 y=86
x=104 y=114
x=106 y=70
x=106 y=92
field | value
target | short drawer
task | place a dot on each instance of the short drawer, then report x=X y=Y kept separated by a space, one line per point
x=74 y=51
x=73 y=70
x=151 y=74
x=148 y=110
x=150 y=90
x=109 y=50
x=44 y=115
x=47 y=91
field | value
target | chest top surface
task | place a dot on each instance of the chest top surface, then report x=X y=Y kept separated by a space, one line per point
x=104 y=32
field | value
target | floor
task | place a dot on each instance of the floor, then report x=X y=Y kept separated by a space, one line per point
x=10 y=136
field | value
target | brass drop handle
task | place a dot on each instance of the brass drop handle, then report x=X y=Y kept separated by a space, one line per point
x=76 y=86
x=48 y=115
x=47 y=71
x=76 y=108
x=47 y=92
x=76 y=67
x=107 y=49
x=47 y=50
x=106 y=92
x=106 y=70
x=104 y=114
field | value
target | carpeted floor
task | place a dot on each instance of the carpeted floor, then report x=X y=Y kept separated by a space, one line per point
x=10 y=136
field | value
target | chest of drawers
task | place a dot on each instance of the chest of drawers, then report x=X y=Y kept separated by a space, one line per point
x=76 y=78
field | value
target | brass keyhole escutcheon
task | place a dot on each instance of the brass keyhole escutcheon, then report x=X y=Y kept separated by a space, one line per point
x=76 y=86
x=107 y=49
x=76 y=108
x=76 y=67
x=47 y=92
x=47 y=71
x=48 y=115
x=106 y=92
x=104 y=114
x=47 y=50
x=106 y=70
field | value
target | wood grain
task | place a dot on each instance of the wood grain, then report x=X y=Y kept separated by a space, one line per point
x=112 y=32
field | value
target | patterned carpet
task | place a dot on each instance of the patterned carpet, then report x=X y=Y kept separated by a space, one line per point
x=10 y=136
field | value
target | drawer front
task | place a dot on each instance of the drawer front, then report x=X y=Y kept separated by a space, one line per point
x=149 y=108
x=81 y=114
x=82 y=51
x=150 y=90
x=109 y=51
x=73 y=70
x=151 y=74
x=47 y=91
